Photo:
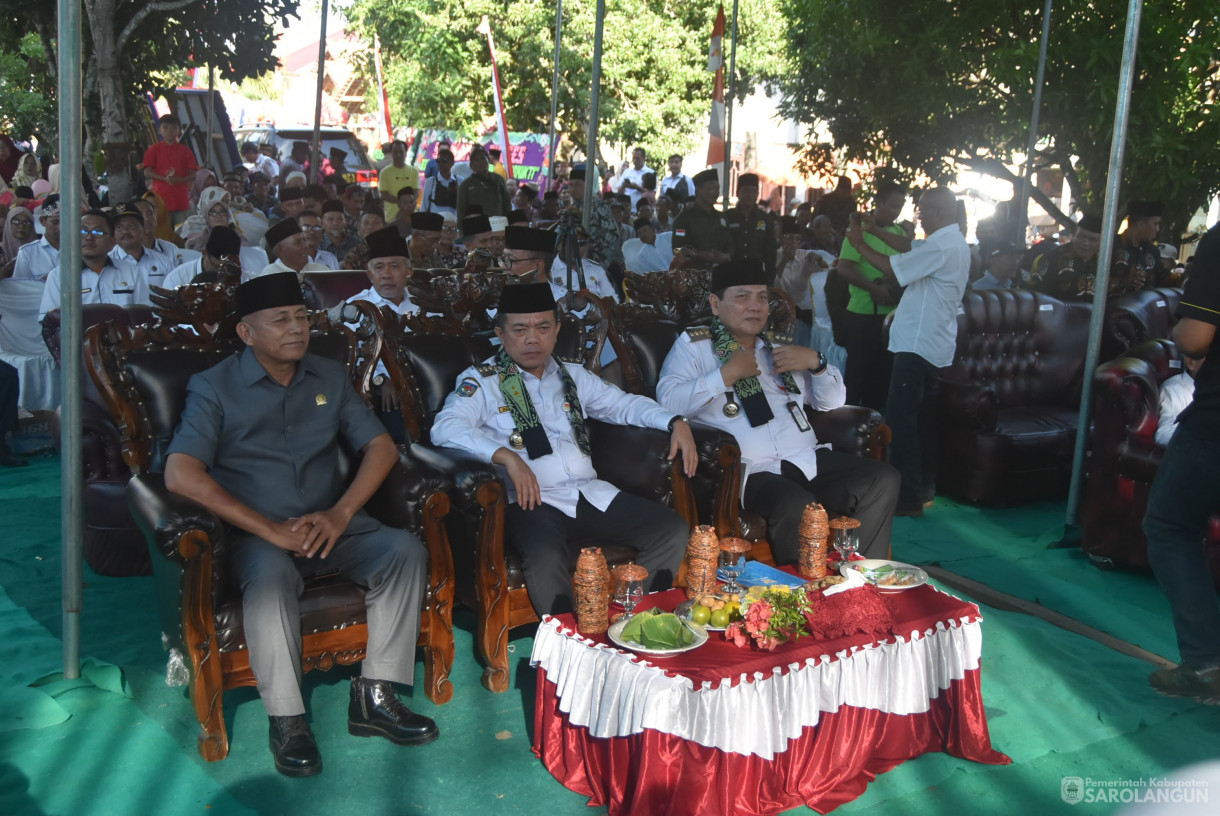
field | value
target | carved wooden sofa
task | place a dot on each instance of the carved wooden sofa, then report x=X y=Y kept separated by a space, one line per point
x=142 y=373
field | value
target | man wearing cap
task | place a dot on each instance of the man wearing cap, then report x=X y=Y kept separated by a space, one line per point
x=170 y=166
x=339 y=239
x=483 y=188
x=752 y=228
x=550 y=206
x=426 y=228
x=145 y=266
x=258 y=163
x=641 y=254
x=1003 y=269
x=175 y=254
x=232 y=184
x=260 y=197
x=605 y=236
x=394 y=177
x=292 y=202
x=1068 y=271
x=271 y=471
x=36 y=259
x=701 y=230
x=311 y=227
x=596 y=279
x=101 y=281
x=295 y=163
x=525 y=410
x=923 y=338
x=223 y=244
x=1136 y=257
x=441 y=188
x=288 y=244
x=528 y=254
x=477 y=234
x=732 y=377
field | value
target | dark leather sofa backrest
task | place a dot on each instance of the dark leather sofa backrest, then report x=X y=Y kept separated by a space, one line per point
x=650 y=342
x=437 y=360
x=1137 y=317
x=333 y=288
x=1027 y=347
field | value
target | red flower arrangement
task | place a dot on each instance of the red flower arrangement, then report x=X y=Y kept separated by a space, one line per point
x=775 y=618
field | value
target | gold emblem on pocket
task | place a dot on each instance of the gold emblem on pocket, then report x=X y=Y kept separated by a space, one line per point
x=320 y=399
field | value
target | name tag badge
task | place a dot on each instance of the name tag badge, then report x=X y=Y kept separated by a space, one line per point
x=798 y=416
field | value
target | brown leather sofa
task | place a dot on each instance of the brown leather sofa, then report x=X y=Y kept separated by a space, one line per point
x=1125 y=457
x=144 y=374
x=332 y=288
x=1137 y=318
x=1008 y=404
x=113 y=544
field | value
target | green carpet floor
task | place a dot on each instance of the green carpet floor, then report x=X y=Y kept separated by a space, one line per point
x=124 y=742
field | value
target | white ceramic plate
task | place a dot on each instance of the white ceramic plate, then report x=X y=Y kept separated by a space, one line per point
x=683 y=611
x=868 y=567
x=616 y=630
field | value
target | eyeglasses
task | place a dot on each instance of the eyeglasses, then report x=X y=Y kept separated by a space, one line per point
x=92 y=233
x=311 y=227
x=508 y=262
x=217 y=212
x=22 y=222
x=449 y=230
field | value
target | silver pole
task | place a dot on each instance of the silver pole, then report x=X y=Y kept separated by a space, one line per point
x=593 y=184
x=72 y=512
x=1021 y=217
x=1102 y=283
x=555 y=90
x=211 y=116
x=315 y=162
x=728 y=106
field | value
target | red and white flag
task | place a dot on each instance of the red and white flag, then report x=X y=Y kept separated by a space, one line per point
x=485 y=28
x=715 y=62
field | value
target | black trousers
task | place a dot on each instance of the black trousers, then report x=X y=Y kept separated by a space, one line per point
x=545 y=539
x=10 y=387
x=912 y=417
x=868 y=360
x=865 y=489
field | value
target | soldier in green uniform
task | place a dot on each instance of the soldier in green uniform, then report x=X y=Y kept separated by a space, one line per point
x=701 y=229
x=752 y=228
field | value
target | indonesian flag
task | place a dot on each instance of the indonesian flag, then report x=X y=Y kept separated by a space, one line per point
x=485 y=28
x=385 y=100
x=715 y=62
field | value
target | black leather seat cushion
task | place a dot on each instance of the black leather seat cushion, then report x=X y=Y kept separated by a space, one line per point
x=329 y=602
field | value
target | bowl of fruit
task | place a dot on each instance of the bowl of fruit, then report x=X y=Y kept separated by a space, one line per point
x=713 y=612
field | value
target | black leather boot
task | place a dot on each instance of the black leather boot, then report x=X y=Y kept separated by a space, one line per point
x=376 y=712
x=293 y=746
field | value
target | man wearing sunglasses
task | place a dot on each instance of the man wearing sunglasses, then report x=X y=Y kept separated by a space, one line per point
x=101 y=281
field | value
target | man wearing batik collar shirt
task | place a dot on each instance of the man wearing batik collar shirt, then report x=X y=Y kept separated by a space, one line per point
x=525 y=410
x=731 y=376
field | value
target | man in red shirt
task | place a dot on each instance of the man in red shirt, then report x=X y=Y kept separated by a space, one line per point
x=171 y=168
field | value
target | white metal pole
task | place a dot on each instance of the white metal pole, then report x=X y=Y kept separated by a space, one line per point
x=315 y=162
x=592 y=176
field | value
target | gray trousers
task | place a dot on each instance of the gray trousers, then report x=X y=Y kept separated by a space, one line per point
x=391 y=564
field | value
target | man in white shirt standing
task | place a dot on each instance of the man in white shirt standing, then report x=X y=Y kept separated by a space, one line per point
x=631 y=181
x=641 y=253
x=923 y=338
x=36 y=259
x=441 y=188
x=729 y=375
x=675 y=179
x=147 y=267
x=525 y=410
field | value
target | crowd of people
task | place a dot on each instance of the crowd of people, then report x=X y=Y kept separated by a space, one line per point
x=876 y=319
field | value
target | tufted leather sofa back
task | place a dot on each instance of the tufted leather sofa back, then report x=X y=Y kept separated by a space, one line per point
x=1140 y=316
x=1026 y=347
x=436 y=361
x=333 y=288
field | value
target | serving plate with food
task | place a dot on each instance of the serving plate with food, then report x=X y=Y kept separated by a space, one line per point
x=657 y=634
x=888 y=576
x=714 y=611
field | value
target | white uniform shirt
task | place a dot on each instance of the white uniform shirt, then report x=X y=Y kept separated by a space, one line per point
x=476 y=419
x=327 y=259
x=805 y=280
x=1176 y=394
x=690 y=384
x=665 y=184
x=111 y=285
x=597 y=280
x=373 y=297
x=176 y=254
x=150 y=270
x=935 y=273
x=180 y=276
x=277 y=266
x=35 y=260
x=643 y=258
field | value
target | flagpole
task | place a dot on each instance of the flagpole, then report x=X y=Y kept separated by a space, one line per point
x=728 y=106
x=385 y=100
x=485 y=28
x=555 y=92
x=315 y=152
x=593 y=183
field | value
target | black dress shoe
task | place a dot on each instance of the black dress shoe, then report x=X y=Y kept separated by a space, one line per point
x=376 y=712
x=293 y=746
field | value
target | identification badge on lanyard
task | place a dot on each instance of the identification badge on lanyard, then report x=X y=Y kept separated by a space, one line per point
x=798 y=416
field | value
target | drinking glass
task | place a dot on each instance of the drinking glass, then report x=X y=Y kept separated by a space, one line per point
x=847 y=541
x=629 y=586
x=732 y=550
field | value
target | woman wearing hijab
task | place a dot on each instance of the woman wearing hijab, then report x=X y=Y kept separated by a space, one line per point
x=10 y=156
x=213 y=211
x=18 y=231
x=204 y=178
x=28 y=172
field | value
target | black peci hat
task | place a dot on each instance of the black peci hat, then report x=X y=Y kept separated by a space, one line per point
x=745 y=272
x=223 y=241
x=427 y=221
x=527 y=298
x=285 y=228
x=528 y=239
x=268 y=292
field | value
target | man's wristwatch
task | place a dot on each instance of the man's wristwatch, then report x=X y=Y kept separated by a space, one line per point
x=677 y=418
x=821 y=364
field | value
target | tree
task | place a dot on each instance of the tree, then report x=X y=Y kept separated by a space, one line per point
x=957 y=90
x=131 y=44
x=28 y=91
x=656 y=91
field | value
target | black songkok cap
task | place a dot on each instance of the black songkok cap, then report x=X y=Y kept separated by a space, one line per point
x=746 y=180
x=285 y=228
x=529 y=239
x=223 y=241
x=746 y=272
x=1144 y=209
x=268 y=292
x=788 y=225
x=291 y=194
x=1090 y=221
x=475 y=225
x=426 y=221
x=518 y=217
x=640 y=223
x=299 y=145
x=386 y=243
x=706 y=175
x=527 y=298
x=332 y=205
x=577 y=173
x=550 y=195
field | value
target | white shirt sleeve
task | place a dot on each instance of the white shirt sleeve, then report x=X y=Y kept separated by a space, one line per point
x=689 y=380
x=609 y=403
x=923 y=260
x=463 y=422
x=1175 y=396
x=50 y=294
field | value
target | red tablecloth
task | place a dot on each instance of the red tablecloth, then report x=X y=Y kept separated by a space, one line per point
x=693 y=749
